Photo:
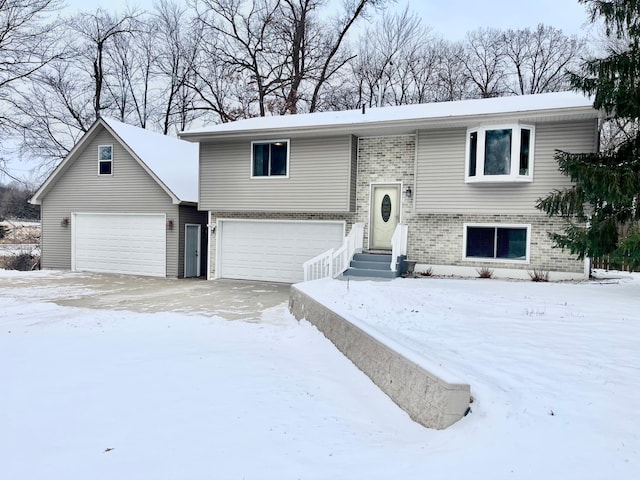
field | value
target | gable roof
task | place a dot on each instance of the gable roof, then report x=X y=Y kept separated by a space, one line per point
x=405 y=118
x=171 y=162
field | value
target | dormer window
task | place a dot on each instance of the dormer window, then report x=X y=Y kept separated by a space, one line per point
x=500 y=154
x=105 y=159
x=270 y=159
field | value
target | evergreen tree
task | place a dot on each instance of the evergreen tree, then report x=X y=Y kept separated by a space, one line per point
x=603 y=206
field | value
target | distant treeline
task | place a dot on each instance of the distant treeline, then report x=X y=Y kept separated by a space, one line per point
x=14 y=203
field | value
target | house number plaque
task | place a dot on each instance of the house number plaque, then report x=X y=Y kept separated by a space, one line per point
x=385 y=208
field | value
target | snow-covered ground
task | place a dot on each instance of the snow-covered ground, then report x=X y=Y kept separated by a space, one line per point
x=11 y=249
x=554 y=370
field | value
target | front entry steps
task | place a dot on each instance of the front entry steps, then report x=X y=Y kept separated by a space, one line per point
x=371 y=265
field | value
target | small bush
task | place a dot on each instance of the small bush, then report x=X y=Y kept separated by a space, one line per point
x=485 y=272
x=426 y=273
x=539 y=275
x=23 y=262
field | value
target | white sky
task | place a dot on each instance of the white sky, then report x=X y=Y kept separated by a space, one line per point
x=450 y=18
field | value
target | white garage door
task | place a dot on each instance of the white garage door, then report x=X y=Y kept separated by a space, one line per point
x=272 y=250
x=119 y=243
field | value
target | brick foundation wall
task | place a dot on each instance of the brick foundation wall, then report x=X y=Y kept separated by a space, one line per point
x=437 y=239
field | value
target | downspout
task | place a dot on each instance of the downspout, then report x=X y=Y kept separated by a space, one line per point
x=415 y=173
x=209 y=245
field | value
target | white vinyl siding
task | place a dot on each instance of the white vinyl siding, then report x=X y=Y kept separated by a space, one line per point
x=80 y=189
x=119 y=243
x=272 y=250
x=319 y=177
x=440 y=182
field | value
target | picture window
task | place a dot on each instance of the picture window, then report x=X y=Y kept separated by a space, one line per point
x=499 y=154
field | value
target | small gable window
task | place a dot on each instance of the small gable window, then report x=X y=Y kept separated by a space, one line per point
x=500 y=154
x=105 y=159
x=270 y=159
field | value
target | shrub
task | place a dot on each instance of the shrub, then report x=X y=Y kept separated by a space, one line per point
x=23 y=262
x=426 y=273
x=485 y=272
x=539 y=275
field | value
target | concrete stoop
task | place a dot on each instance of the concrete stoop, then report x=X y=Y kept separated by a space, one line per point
x=427 y=399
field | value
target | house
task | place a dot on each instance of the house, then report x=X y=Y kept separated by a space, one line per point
x=124 y=201
x=462 y=178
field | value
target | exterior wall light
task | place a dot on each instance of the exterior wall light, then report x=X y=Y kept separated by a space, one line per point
x=169 y=224
x=408 y=192
x=64 y=222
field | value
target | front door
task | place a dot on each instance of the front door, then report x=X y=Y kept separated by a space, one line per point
x=192 y=250
x=385 y=215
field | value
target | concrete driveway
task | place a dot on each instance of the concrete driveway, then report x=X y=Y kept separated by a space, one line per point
x=231 y=299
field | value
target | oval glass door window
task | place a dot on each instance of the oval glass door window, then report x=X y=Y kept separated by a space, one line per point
x=385 y=208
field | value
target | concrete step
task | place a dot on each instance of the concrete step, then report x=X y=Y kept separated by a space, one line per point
x=361 y=272
x=370 y=265
x=372 y=257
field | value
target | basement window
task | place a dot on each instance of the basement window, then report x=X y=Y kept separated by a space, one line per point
x=508 y=243
x=105 y=159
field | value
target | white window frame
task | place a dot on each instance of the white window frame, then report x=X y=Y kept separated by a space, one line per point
x=100 y=160
x=270 y=142
x=514 y=176
x=526 y=226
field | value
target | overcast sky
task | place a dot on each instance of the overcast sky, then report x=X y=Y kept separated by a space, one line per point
x=450 y=18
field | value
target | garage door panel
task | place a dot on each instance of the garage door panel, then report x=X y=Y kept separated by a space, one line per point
x=273 y=250
x=120 y=243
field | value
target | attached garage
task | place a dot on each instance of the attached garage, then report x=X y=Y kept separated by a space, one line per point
x=272 y=250
x=119 y=243
x=124 y=201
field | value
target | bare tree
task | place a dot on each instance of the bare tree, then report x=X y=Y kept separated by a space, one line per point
x=537 y=60
x=285 y=51
x=131 y=60
x=63 y=99
x=27 y=45
x=242 y=32
x=393 y=61
x=453 y=82
x=178 y=38
x=483 y=61
x=96 y=32
x=332 y=40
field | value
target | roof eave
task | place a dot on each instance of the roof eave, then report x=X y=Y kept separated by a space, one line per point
x=406 y=125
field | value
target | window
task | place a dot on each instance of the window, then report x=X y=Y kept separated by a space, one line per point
x=105 y=159
x=270 y=159
x=497 y=242
x=500 y=154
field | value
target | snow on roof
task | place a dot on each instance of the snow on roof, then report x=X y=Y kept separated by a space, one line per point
x=173 y=161
x=417 y=112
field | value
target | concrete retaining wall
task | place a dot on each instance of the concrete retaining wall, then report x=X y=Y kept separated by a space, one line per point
x=427 y=399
